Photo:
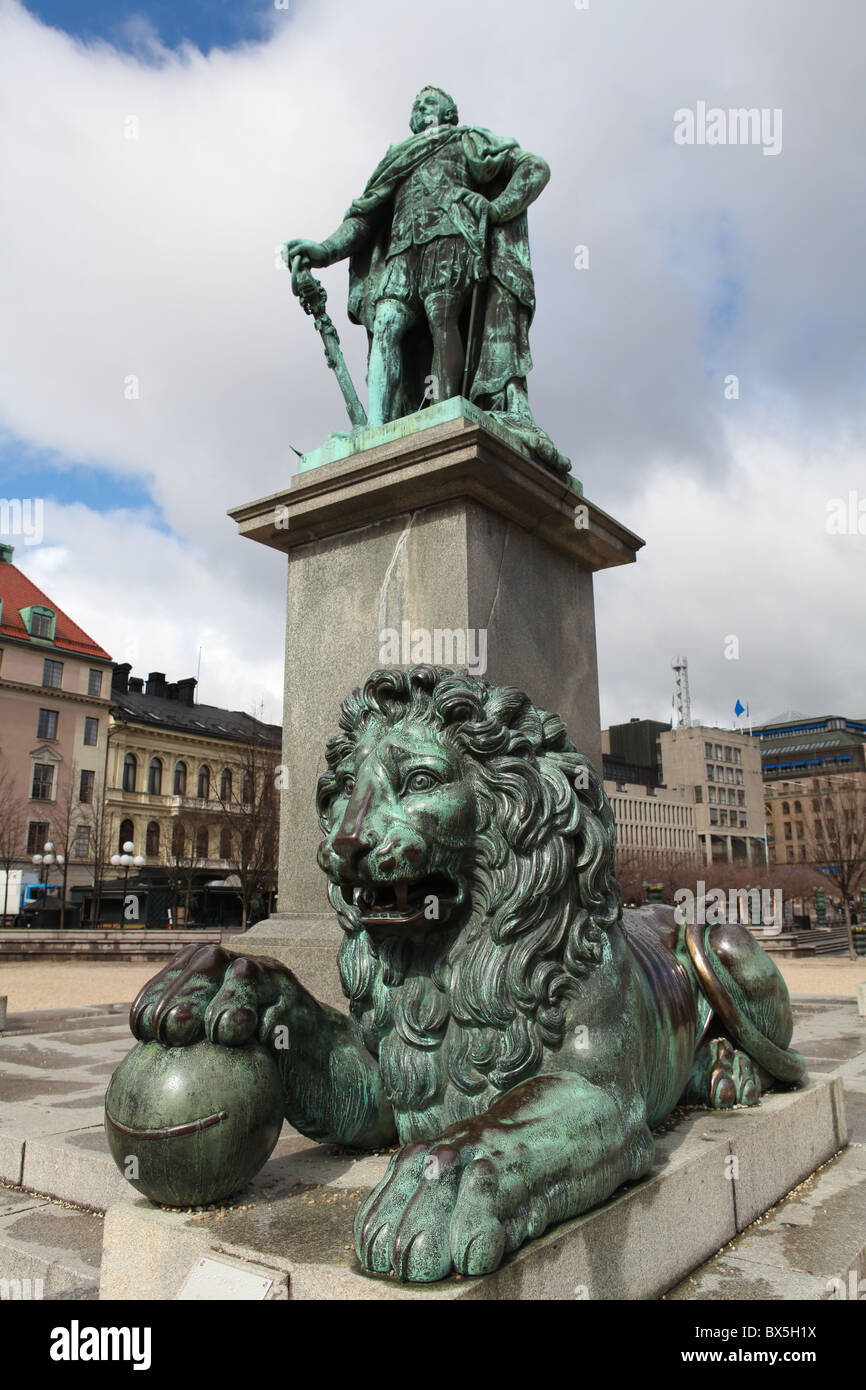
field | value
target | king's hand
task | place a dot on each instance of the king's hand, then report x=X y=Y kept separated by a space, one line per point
x=311 y=252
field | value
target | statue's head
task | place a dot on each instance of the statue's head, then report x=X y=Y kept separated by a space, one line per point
x=432 y=107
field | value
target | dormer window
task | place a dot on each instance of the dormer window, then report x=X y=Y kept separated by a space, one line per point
x=39 y=621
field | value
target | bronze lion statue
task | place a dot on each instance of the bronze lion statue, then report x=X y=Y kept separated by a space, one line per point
x=509 y=1027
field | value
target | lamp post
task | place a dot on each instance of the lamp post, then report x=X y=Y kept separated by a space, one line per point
x=127 y=860
x=43 y=863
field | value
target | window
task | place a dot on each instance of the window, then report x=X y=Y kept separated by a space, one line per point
x=225 y=786
x=799 y=825
x=178 y=841
x=43 y=781
x=708 y=750
x=52 y=674
x=81 y=842
x=729 y=773
x=741 y=798
x=152 y=839
x=742 y=820
x=47 y=724
x=790 y=853
x=180 y=779
x=127 y=830
x=91 y=732
x=154 y=777
x=737 y=755
x=37 y=835
x=225 y=843
x=130 y=771
x=723 y=818
x=728 y=754
x=94 y=683
x=718 y=752
x=201 y=843
x=710 y=773
x=787 y=830
x=711 y=795
x=819 y=830
x=41 y=624
x=699 y=794
x=786 y=808
x=739 y=777
x=798 y=808
x=714 y=816
x=85 y=786
x=732 y=797
x=203 y=784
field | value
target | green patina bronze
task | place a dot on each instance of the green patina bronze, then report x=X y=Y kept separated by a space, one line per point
x=190 y=1125
x=439 y=274
x=510 y=1028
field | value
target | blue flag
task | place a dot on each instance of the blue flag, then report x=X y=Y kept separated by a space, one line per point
x=739 y=708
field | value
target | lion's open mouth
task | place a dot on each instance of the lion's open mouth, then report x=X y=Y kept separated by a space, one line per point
x=431 y=899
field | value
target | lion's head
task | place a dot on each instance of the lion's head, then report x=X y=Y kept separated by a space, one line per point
x=469 y=849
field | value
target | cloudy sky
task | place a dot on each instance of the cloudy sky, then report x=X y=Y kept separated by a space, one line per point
x=153 y=157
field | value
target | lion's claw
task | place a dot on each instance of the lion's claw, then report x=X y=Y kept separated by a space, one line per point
x=438 y=1209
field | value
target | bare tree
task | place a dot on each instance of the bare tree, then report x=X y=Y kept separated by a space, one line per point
x=182 y=857
x=13 y=822
x=249 y=821
x=70 y=816
x=835 y=839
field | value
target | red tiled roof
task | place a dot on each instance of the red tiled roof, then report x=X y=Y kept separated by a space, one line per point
x=17 y=591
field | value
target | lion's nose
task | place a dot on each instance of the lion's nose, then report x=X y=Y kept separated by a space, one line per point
x=350 y=841
x=350 y=844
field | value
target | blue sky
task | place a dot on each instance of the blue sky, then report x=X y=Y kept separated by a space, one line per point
x=206 y=23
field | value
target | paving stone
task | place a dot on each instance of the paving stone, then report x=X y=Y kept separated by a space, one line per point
x=61 y=1247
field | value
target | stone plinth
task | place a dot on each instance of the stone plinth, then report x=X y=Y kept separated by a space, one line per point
x=436 y=537
x=296 y=1216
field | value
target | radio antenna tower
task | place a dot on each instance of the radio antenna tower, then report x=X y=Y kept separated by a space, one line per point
x=681 y=692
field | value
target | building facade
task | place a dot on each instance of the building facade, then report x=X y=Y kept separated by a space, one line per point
x=722 y=771
x=55 y=685
x=807 y=761
x=655 y=822
x=183 y=782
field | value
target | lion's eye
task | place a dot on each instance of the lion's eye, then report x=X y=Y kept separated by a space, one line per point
x=347 y=786
x=420 y=781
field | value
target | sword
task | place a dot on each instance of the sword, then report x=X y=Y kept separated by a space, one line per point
x=313 y=299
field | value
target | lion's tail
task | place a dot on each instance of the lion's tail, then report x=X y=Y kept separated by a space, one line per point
x=730 y=1004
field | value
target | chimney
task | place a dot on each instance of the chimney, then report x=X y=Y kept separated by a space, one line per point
x=156 y=684
x=186 y=690
x=136 y=685
x=171 y=691
x=120 y=676
x=6 y=553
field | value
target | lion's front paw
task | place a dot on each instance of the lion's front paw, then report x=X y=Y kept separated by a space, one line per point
x=443 y=1207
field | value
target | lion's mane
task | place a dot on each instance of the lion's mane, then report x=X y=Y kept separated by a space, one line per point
x=468 y=1013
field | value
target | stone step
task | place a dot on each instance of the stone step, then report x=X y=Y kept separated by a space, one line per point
x=811 y=1245
x=42 y=1241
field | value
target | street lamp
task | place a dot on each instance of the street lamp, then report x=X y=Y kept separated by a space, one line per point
x=127 y=860
x=43 y=863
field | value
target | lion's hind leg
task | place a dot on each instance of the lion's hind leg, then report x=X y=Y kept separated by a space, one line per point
x=723 y=1076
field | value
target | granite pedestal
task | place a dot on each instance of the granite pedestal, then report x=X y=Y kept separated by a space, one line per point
x=434 y=538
